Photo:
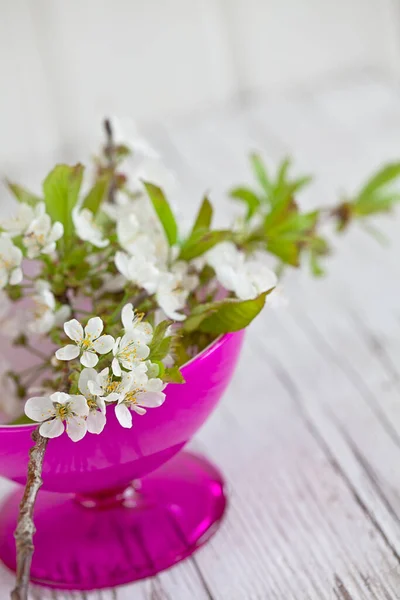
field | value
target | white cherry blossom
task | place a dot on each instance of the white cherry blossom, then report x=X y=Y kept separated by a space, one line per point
x=171 y=296
x=139 y=398
x=46 y=316
x=110 y=389
x=41 y=235
x=174 y=288
x=88 y=342
x=55 y=410
x=96 y=419
x=20 y=222
x=247 y=277
x=10 y=262
x=139 y=269
x=129 y=350
x=132 y=321
x=86 y=228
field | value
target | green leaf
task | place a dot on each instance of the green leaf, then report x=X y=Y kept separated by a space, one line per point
x=296 y=225
x=163 y=211
x=284 y=189
x=387 y=174
x=22 y=194
x=201 y=242
x=225 y=316
x=61 y=191
x=160 y=345
x=173 y=375
x=161 y=351
x=280 y=212
x=247 y=196
x=287 y=250
x=204 y=217
x=282 y=173
x=97 y=194
x=374 y=204
x=260 y=172
x=286 y=238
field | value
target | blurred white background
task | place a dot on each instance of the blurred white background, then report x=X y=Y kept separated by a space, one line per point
x=63 y=65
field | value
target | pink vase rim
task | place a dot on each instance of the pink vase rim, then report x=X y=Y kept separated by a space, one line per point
x=185 y=369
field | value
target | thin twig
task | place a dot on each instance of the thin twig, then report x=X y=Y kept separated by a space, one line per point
x=26 y=529
x=109 y=152
x=36 y=352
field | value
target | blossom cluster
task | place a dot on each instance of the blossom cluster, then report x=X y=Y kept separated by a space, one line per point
x=130 y=383
x=98 y=247
x=104 y=245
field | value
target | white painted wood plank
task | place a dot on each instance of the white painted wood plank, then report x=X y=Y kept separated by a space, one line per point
x=27 y=122
x=354 y=470
x=131 y=58
x=280 y=44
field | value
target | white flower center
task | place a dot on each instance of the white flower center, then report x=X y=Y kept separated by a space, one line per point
x=63 y=411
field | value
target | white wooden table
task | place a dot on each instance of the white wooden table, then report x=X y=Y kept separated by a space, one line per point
x=308 y=434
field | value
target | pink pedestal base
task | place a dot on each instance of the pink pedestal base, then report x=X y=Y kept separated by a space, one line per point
x=87 y=543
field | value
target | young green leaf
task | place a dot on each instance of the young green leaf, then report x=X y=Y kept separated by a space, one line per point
x=290 y=235
x=225 y=315
x=173 y=375
x=61 y=191
x=375 y=203
x=260 y=172
x=97 y=194
x=385 y=176
x=22 y=194
x=160 y=345
x=163 y=211
x=201 y=242
x=284 y=189
x=204 y=218
x=250 y=199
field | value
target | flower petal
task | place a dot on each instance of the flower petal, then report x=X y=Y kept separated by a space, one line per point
x=94 y=388
x=104 y=344
x=87 y=377
x=101 y=404
x=68 y=352
x=123 y=415
x=113 y=397
x=52 y=429
x=39 y=408
x=155 y=385
x=56 y=233
x=127 y=315
x=139 y=410
x=60 y=397
x=94 y=328
x=96 y=421
x=150 y=399
x=16 y=276
x=126 y=383
x=74 y=330
x=122 y=263
x=89 y=359
x=116 y=368
x=79 y=406
x=76 y=428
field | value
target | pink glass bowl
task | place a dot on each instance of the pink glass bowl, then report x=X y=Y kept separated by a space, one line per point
x=123 y=505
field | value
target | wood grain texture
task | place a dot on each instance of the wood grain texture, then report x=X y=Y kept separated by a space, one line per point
x=308 y=435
